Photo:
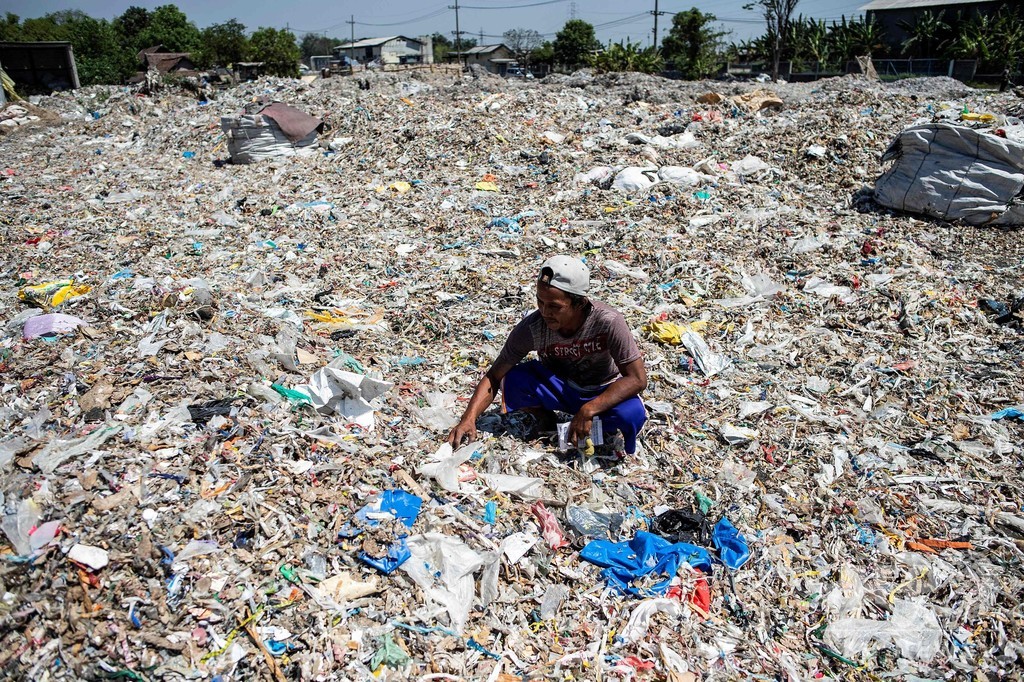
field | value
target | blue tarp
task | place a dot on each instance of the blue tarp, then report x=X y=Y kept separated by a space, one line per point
x=644 y=555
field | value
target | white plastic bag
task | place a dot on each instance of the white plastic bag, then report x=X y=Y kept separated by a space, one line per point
x=635 y=179
x=443 y=567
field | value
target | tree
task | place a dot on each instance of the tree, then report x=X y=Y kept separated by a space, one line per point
x=867 y=37
x=317 y=45
x=808 y=41
x=130 y=28
x=545 y=54
x=777 y=15
x=442 y=46
x=98 y=55
x=522 y=42
x=691 y=45
x=10 y=27
x=926 y=34
x=168 y=26
x=222 y=44
x=277 y=50
x=574 y=43
x=627 y=57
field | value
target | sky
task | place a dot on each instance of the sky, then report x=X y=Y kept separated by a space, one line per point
x=614 y=20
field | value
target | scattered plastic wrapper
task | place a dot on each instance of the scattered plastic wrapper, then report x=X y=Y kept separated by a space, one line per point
x=912 y=628
x=334 y=391
x=53 y=324
x=390 y=505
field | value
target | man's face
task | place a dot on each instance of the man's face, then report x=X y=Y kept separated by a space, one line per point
x=555 y=307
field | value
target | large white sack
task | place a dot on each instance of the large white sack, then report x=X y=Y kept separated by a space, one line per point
x=635 y=179
x=954 y=173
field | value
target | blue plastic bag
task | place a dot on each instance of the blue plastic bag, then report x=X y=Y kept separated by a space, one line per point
x=644 y=555
x=405 y=507
x=732 y=547
x=1009 y=412
x=397 y=554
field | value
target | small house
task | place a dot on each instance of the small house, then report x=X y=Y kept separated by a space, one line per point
x=165 y=61
x=494 y=58
x=388 y=50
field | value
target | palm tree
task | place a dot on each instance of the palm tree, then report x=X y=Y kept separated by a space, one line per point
x=975 y=38
x=817 y=44
x=927 y=34
x=867 y=37
x=840 y=37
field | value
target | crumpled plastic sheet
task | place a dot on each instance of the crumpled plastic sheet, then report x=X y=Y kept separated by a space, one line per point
x=646 y=554
x=913 y=628
x=732 y=547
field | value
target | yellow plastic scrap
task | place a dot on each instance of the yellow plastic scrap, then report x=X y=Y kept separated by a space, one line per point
x=408 y=101
x=401 y=186
x=69 y=292
x=984 y=118
x=53 y=293
x=328 y=317
x=486 y=186
x=672 y=333
x=588 y=449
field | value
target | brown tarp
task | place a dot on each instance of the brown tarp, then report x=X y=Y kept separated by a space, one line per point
x=293 y=123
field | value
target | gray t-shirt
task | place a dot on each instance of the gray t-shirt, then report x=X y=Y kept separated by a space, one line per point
x=588 y=360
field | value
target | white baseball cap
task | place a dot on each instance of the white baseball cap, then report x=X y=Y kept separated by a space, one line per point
x=570 y=275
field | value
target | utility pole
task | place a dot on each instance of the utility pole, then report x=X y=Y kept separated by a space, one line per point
x=572 y=10
x=656 y=14
x=352 y=42
x=458 y=33
x=481 y=36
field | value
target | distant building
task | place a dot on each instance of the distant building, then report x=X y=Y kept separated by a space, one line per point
x=163 y=60
x=893 y=15
x=494 y=58
x=40 y=67
x=388 y=50
x=247 y=71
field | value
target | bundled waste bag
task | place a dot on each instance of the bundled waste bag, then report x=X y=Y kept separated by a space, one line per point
x=274 y=131
x=954 y=173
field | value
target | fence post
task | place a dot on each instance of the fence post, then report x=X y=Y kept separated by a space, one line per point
x=950 y=68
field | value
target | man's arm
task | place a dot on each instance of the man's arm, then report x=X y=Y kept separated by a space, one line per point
x=631 y=383
x=482 y=398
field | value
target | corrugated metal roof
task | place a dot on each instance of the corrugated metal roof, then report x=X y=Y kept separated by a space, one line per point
x=484 y=49
x=876 y=5
x=374 y=42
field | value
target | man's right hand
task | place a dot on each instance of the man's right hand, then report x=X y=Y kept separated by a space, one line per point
x=463 y=431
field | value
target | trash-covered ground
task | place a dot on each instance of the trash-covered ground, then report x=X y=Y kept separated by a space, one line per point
x=225 y=390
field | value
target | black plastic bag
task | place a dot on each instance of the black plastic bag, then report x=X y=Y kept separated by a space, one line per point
x=680 y=525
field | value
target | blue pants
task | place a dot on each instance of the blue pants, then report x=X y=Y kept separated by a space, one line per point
x=531 y=384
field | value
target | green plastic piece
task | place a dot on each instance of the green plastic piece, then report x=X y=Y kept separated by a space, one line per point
x=389 y=654
x=706 y=503
x=296 y=397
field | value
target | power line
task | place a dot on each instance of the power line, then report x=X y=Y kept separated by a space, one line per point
x=532 y=4
x=435 y=13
